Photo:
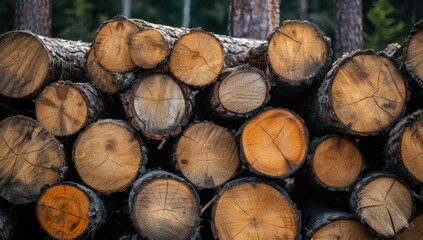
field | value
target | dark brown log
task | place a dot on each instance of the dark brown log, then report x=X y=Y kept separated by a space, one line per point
x=299 y=53
x=207 y=155
x=29 y=61
x=30 y=158
x=321 y=224
x=274 y=143
x=335 y=163
x=415 y=231
x=158 y=106
x=108 y=156
x=349 y=26
x=64 y=107
x=34 y=15
x=384 y=203
x=240 y=92
x=363 y=94
x=69 y=210
x=404 y=148
x=164 y=206
x=253 y=19
x=251 y=208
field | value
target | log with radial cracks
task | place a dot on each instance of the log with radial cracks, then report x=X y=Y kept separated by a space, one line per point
x=335 y=162
x=404 y=148
x=164 y=206
x=70 y=210
x=363 y=94
x=158 y=106
x=207 y=155
x=29 y=61
x=383 y=202
x=250 y=208
x=30 y=157
x=108 y=155
x=239 y=92
x=64 y=107
x=274 y=143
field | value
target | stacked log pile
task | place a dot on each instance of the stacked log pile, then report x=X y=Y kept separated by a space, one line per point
x=157 y=132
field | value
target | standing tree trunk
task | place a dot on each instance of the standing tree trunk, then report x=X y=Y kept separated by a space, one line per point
x=34 y=15
x=349 y=28
x=253 y=19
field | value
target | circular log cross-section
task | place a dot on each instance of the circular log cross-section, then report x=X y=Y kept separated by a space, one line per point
x=108 y=155
x=274 y=143
x=384 y=203
x=207 y=155
x=158 y=106
x=299 y=52
x=336 y=163
x=30 y=158
x=111 y=44
x=240 y=92
x=252 y=209
x=64 y=108
x=414 y=232
x=68 y=210
x=404 y=149
x=197 y=58
x=366 y=94
x=164 y=206
x=411 y=53
x=148 y=48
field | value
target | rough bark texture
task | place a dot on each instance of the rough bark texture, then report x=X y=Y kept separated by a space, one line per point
x=349 y=28
x=253 y=19
x=34 y=15
x=54 y=59
x=7 y=225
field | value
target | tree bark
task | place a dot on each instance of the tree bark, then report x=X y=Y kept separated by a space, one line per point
x=34 y=15
x=253 y=19
x=349 y=26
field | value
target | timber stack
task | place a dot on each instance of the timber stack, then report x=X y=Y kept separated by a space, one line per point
x=159 y=132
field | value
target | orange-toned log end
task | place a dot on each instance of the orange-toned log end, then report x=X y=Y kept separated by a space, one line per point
x=298 y=51
x=30 y=158
x=414 y=232
x=336 y=163
x=411 y=53
x=412 y=147
x=108 y=155
x=251 y=209
x=164 y=206
x=111 y=45
x=148 y=48
x=342 y=229
x=24 y=64
x=367 y=93
x=66 y=211
x=383 y=203
x=274 y=143
x=197 y=58
x=207 y=155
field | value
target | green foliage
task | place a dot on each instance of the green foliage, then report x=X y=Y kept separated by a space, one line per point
x=385 y=28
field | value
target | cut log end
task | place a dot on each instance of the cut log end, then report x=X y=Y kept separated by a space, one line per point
x=65 y=211
x=62 y=109
x=111 y=45
x=148 y=48
x=274 y=143
x=31 y=158
x=368 y=93
x=24 y=62
x=414 y=232
x=164 y=206
x=412 y=147
x=108 y=156
x=384 y=203
x=298 y=51
x=413 y=58
x=248 y=209
x=336 y=162
x=197 y=58
x=342 y=229
x=207 y=155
